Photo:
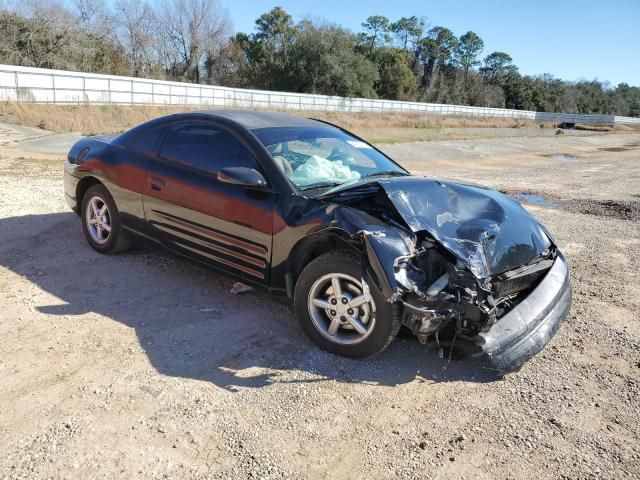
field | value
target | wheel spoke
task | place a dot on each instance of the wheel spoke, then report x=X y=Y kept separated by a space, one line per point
x=102 y=210
x=356 y=302
x=92 y=221
x=335 y=283
x=106 y=227
x=99 y=231
x=357 y=324
x=318 y=302
x=334 y=327
x=94 y=207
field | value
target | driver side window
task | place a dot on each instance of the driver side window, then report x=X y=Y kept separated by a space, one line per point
x=205 y=147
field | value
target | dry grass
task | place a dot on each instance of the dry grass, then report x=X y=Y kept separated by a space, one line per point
x=594 y=127
x=86 y=119
x=360 y=121
x=96 y=119
x=626 y=127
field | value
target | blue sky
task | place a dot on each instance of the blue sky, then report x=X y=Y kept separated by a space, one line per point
x=570 y=39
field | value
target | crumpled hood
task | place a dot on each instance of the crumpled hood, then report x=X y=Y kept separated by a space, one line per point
x=488 y=231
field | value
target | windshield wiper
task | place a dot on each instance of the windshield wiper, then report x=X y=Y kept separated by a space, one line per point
x=314 y=186
x=386 y=172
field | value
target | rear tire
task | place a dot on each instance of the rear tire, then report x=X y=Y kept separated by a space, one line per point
x=345 y=324
x=101 y=221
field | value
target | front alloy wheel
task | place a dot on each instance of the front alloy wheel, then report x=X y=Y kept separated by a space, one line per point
x=101 y=221
x=340 y=309
x=336 y=310
x=98 y=220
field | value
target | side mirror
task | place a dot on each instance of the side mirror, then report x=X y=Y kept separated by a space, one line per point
x=247 y=177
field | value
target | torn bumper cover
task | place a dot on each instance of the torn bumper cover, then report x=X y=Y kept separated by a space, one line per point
x=528 y=327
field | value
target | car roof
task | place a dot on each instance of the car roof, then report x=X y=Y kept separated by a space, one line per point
x=246 y=119
x=253 y=120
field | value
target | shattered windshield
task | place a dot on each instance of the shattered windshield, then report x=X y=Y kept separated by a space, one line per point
x=315 y=158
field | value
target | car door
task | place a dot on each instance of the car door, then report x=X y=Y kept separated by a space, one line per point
x=191 y=212
x=133 y=163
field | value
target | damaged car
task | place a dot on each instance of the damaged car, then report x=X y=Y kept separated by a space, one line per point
x=304 y=208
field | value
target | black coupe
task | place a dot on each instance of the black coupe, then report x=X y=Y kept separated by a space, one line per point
x=307 y=209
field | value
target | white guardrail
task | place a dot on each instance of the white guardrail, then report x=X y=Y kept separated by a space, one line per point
x=39 y=85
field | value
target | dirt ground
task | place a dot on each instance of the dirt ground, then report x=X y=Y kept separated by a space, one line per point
x=143 y=365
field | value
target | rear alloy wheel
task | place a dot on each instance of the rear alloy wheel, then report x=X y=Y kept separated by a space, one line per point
x=101 y=221
x=337 y=313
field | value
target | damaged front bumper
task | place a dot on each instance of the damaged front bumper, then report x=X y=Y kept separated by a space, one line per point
x=461 y=262
x=529 y=326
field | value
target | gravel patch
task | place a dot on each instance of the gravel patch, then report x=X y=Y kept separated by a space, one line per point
x=143 y=365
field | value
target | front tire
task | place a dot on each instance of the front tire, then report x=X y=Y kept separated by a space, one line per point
x=101 y=221
x=334 y=312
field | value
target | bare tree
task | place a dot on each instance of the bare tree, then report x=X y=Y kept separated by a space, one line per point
x=222 y=66
x=93 y=17
x=135 y=25
x=189 y=29
x=50 y=32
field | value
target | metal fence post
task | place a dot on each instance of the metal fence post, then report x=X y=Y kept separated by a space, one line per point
x=131 y=92
x=109 y=89
x=84 y=91
x=153 y=94
x=53 y=84
x=15 y=75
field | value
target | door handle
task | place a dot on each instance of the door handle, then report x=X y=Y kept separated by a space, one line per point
x=156 y=183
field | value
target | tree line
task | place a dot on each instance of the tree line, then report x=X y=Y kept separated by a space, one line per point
x=192 y=40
